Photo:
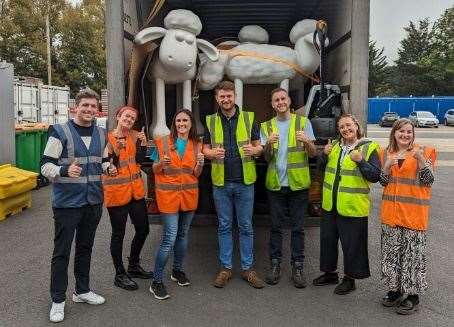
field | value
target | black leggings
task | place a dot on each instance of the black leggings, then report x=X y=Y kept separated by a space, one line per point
x=137 y=211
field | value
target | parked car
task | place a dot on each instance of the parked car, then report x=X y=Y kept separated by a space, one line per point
x=449 y=117
x=423 y=118
x=388 y=119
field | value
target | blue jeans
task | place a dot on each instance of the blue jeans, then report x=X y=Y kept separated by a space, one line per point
x=174 y=236
x=240 y=197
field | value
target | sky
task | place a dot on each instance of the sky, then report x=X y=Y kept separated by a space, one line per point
x=389 y=17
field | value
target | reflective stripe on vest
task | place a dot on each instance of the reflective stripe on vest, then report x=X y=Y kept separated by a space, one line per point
x=119 y=190
x=121 y=180
x=405 y=201
x=243 y=137
x=353 y=189
x=73 y=192
x=176 y=187
x=298 y=173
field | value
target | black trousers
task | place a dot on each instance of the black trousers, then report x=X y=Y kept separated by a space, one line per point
x=295 y=204
x=69 y=221
x=137 y=211
x=352 y=232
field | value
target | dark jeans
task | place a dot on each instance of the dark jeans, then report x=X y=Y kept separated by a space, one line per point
x=137 y=211
x=67 y=221
x=352 y=232
x=296 y=203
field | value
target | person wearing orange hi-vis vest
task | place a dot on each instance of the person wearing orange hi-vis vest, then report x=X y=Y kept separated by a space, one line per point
x=407 y=177
x=178 y=162
x=352 y=163
x=124 y=195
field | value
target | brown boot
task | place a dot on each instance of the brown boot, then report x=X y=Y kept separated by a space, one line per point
x=252 y=278
x=222 y=278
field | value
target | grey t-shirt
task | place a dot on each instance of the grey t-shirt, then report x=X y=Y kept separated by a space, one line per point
x=281 y=158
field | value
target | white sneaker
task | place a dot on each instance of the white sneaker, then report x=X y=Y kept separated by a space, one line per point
x=89 y=297
x=57 y=312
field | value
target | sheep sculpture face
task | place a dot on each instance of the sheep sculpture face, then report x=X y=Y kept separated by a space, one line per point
x=176 y=62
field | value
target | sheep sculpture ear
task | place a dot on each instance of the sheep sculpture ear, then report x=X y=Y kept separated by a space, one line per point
x=210 y=50
x=149 y=34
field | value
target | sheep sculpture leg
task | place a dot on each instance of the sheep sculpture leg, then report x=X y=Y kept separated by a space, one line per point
x=285 y=84
x=160 y=128
x=238 y=92
x=187 y=101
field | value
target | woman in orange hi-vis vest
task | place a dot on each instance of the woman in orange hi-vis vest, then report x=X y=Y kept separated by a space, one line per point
x=178 y=163
x=407 y=177
x=124 y=195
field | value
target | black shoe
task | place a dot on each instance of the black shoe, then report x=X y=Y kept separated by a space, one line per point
x=274 y=274
x=409 y=305
x=159 y=290
x=391 y=299
x=180 y=277
x=123 y=281
x=136 y=271
x=346 y=286
x=298 y=278
x=326 y=279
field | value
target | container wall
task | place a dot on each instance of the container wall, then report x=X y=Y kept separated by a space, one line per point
x=40 y=103
x=404 y=106
x=7 y=150
x=26 y=107
x=54 y=103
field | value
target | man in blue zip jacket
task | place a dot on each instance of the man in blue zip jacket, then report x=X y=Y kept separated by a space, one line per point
x=74 y=159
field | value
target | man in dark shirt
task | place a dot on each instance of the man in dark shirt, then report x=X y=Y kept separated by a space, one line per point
x=231 y=142
x=74 y=159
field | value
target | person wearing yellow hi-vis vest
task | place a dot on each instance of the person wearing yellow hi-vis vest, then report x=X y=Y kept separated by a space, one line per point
x=352 y=163
x=231 y=142
x=288 y=142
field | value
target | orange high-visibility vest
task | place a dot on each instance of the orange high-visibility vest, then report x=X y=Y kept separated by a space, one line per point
x=406 y=202
x=128 y=184
x=176 y=186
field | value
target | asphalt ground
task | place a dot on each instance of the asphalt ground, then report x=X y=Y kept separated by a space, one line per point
x=26 y=246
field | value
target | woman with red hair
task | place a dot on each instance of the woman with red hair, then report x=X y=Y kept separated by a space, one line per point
x=124 y=195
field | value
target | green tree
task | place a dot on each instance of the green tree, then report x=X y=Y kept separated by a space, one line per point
x=378 y=72
x=23 y=33
x=81 y=49
x=441 y=57
x=77 y=40
x=412 y=69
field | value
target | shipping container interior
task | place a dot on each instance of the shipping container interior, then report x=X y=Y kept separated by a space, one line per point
x=222 y=20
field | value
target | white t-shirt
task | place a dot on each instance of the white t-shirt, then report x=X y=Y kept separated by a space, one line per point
x=281 y=158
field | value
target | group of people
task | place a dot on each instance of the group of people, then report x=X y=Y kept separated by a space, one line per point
x=90 y=167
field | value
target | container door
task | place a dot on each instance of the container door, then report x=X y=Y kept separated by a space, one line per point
x=26 y=103
x=61 y=104
x=46 y=101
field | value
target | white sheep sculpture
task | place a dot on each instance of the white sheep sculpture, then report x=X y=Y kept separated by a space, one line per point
x=253 y=61
x=176 y=62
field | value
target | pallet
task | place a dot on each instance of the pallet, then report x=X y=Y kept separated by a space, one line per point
x=15 y=204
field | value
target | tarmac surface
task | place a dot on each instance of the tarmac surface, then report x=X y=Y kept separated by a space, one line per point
x=26 y=246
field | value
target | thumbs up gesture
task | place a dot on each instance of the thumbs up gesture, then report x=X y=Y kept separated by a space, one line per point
x=356 y=156
x=74 y=169
x=248 y=150
x=112 y=170
x=142 y=137
x=328 y=147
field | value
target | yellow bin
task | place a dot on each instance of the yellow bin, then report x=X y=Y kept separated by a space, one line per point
x=15 y=189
